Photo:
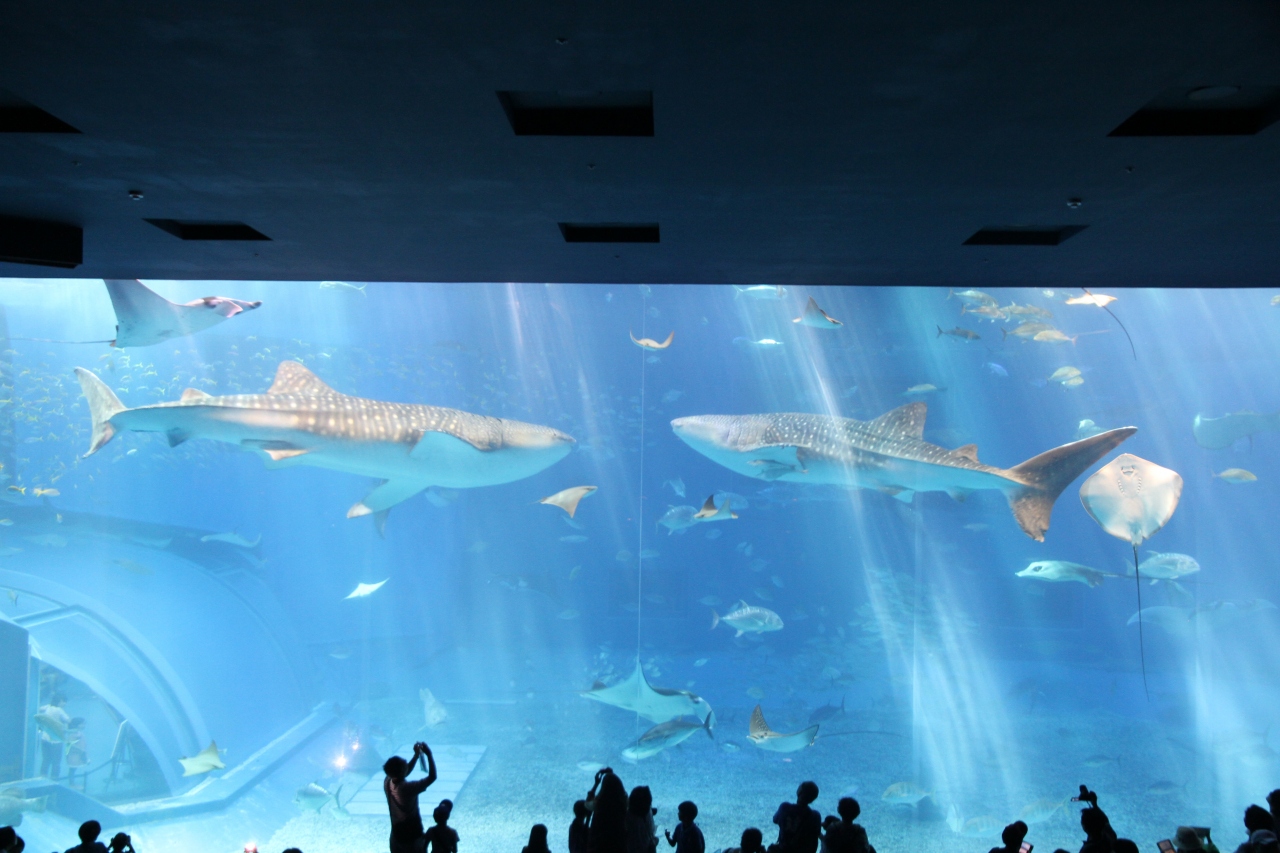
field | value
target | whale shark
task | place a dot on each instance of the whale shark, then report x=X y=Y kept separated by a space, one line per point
x=889 y=454
x=144 y=317
x=1221 y=433
x=302 y=421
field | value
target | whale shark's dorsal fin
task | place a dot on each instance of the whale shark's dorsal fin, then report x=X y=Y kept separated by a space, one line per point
x=903 y=422
x=293 y=378
x=194 y=394
x=759 y=728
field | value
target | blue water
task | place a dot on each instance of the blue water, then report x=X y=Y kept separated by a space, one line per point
x=986 y=690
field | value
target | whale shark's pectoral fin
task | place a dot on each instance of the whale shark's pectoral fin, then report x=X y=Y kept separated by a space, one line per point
x=904 y=495
x=378 y=502
x=278 y=452
x=433 y=444
x=176 y=436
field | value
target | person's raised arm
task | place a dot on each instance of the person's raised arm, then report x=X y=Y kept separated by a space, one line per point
x=431 y=765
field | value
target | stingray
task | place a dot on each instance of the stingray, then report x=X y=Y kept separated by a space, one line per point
x=568 y=499
x=767 y=739
x=650 y=343
x=710 y=513
x=1132 y=499
x=816 y=318
x=363 y=590
x=144 y=317
x=202 y=762
x=655 y=704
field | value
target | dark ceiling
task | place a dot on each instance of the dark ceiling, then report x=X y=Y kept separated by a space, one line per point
x=794 y=142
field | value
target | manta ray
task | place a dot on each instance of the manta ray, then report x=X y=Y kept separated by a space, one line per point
x=302 y=421
x=889 y=454
x=655 y=704
x=144 y=317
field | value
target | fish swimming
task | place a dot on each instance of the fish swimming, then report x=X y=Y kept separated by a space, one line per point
x=651 y=344
x=677 y=485
x=1061 y=570
x=233 y=539
x=904 y=793
x=827 y=712
x=666 y=735
x=433 y=710
x=568 y=499
x=1237 y=475
x=655 y=704
x=710 y=512
x=958 y=332
x=302 y=421
x=144 y=317
x=364 y=590
x=677 y=519
x=973 y=297
x=816 y=318
x=202 y=762
x=14 y=802
x=1041 y=811
x=314 y=798
x=767 y=739
x=1221 y=433
x=760 y=291
x=747 y=619
x=888 y=454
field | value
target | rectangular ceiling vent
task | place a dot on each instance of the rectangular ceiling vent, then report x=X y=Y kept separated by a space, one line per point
x=609 y=232
x=628 y=113
x=45 y=244
x=186 y=229
x=19 y=116
x=1023 y=235
x=1205 y=111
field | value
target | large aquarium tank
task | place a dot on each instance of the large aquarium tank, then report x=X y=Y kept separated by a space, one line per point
x=722 y=539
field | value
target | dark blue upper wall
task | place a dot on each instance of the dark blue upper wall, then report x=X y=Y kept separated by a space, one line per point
x=796 y=143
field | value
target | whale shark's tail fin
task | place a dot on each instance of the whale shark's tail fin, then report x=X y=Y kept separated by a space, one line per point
x=1042 y=478
x=103 y=406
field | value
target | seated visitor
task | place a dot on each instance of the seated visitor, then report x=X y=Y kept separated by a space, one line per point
x=1012 y=837
x=799 y=826
x=847 y=836
x=89 y=843
x=537 y=840
x=752 y=842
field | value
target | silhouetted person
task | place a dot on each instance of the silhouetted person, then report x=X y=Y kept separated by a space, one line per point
x=688 y=837
x=752 y=842
x=121 y=843
x=1098 y=834
x=442 y=837
x=846 y=836
x=641 y=837
x=1012 y=838
x=1123 y=845
x=292 y=850
x=580 y=828
x=51 y=748
x=608 y=832
x=77 y=752
x=89 y=843
x=537 y=840
x=1273 y=803
x=1262 y=832
x=830 y=840
x=1187 y=839
x=10 y=842
x=402 y=799
x=799 y=826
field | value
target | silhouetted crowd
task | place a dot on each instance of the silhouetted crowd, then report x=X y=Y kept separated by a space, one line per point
x=609 y=820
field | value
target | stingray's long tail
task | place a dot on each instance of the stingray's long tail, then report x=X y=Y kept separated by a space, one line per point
x=1142 y=652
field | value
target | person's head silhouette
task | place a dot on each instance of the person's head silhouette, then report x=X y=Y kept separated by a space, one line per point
x=396 y=767
x=89 y=831
x=806 y=793
x=848 y=809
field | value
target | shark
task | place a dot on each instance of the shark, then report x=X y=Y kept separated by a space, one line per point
x=655 y=704
x=1221 y=433
x=302 y=421
x=144 y=317
x=890 y=454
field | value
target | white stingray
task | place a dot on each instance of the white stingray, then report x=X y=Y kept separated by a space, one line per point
x=144 y=317
x=656 y=704
x=1132 y=499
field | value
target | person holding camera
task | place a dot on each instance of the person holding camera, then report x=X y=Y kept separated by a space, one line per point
x=407 y=835
x=1099 y=836
x=121 y=843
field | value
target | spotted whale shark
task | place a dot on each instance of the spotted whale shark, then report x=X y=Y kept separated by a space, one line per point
x=302 y=421
x=888 y=453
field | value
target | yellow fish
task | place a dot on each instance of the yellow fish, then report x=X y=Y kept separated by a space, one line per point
x=1062 y=374
x=22 y=490
x=1053 y=336
x=43 y=493
x=1237 y=475
x=650 y=343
